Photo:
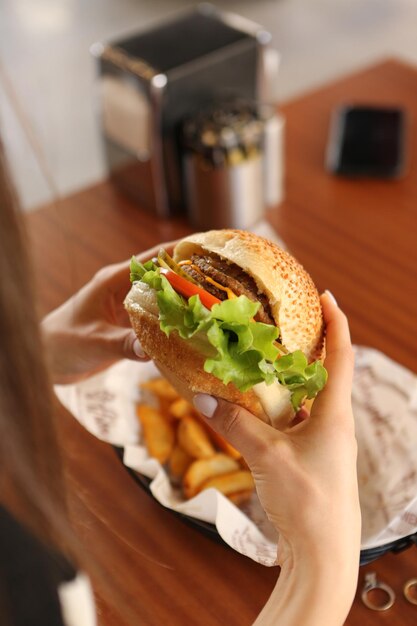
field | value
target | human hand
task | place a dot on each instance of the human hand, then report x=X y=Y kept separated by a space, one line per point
x=306 y=476
x=91 y=330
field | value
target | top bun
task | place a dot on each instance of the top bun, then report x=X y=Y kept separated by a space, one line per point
x=292 y=295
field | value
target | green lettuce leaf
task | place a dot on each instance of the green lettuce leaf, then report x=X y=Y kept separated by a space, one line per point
x=302 y=379
x=138 y=269
x=244 y=352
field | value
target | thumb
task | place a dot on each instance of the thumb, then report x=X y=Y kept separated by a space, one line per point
x=244 y=431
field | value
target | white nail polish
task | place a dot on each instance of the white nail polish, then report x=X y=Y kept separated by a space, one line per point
x=205 y=404
x=331 y=296
x=137 y=349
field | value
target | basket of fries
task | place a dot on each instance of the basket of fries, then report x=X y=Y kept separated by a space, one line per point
x=189 y=469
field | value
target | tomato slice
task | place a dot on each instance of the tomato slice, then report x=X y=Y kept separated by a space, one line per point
x=187 y=289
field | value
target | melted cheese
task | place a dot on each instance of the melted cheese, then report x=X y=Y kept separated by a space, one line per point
x=229 y=292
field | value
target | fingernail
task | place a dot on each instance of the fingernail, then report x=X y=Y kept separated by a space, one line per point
x=205 y=404
x=137 y=349
x=331 y=296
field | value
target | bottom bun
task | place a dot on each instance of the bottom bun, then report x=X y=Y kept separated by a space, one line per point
x=183 y=367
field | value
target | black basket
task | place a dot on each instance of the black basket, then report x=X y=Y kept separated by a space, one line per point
x=367 y=556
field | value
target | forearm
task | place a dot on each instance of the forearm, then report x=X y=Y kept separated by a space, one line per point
x=319 y=593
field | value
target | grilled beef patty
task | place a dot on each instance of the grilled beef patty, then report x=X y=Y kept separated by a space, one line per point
x=231 y=276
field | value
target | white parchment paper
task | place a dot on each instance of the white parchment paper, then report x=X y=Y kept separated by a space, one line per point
x=385 y=408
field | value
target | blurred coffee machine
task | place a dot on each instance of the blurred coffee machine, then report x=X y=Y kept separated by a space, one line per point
x=154 y=84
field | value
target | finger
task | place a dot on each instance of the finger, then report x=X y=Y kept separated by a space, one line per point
x=116 y=275
x=338 y=362
x=243 y=430
x=123 y=344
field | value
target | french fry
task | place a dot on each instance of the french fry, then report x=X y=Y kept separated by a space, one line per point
x=180 y=408
x=203 y=469
x=179 y=462
x=161 y=388
x=193 y=438
x=231 y=483
x=164 y=410
x=158 y=433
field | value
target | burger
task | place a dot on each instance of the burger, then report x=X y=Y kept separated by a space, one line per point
x=233 y=315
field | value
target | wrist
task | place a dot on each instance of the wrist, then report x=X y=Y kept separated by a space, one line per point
x=315 y=588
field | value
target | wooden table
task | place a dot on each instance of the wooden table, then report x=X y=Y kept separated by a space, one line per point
x=357 y=238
